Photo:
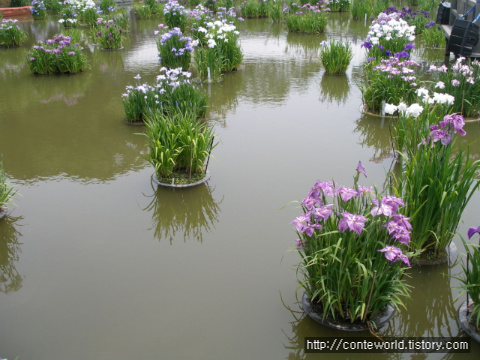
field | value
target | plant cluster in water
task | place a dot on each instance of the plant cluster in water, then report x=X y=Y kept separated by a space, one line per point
x=109 y=34
x=352 y=245
x=179 y=146
x=57 y=55
x=11 y=34
x=309 y=19
x=175 y=49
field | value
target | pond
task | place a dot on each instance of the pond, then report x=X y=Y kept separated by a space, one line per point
x=97 y=263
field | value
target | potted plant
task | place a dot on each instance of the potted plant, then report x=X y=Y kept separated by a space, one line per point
x=352 y=245
x=179 y=148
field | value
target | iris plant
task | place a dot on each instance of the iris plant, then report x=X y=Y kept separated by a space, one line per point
x=352 y=249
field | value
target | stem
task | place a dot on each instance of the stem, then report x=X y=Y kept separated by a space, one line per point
x=191 y=157
x=209 y=152
x=370 y=297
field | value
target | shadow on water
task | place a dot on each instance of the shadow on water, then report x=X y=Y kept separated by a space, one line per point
x=10 y=249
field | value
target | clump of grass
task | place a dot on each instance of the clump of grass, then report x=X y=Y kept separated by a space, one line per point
x=336 y=56
x=179 y=146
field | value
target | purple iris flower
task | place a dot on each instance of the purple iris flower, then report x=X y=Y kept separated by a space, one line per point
x=353 y=222
x=388 y=52
x=367 y=45
x=322 y=212
x=402 y=54
x=347 y=193
x=473 y=231
x=441 y=135
x=392 y=253
x=409 y=46
x=361 y=169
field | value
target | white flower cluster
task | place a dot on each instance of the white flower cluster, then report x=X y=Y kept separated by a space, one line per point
x=218 y=31
x=437 y=98
x=80 y=5
x=390 y=27
x=413 y=110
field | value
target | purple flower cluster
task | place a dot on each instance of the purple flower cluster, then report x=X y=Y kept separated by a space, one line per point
x=56 y=45
x=451 y=124
x=176 y=32
x=317 y=213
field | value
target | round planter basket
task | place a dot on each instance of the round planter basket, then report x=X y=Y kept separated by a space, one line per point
x=173 y=185
x=380 y=319
x=449 y=257
x=469 y=328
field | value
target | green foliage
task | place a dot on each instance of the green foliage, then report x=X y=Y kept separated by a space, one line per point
x=360 y=8
x=19 y=3
x=471 y=280
x=53 y=6
x=6 y=190
x=173 y=93
x=149 y=9
x=107 y=6
x=388 y=82
x=255 y=8
x=436 y=182
x=276 y=10
x=309 y=20
x=336 y=56
x=433 y=37
x=219 y=50
x=56 y=55
x=109 y=35
x=339 y=5
x=462 y=82
x=89 y=17
x=175 y=15
x=175 y=50
x=11 y=34
x=178 y=144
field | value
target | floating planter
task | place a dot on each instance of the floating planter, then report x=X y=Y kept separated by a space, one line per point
x=315 y=313
x=352 y=252
x=179 y=149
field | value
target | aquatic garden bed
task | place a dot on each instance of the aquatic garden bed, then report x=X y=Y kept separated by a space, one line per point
x=182 y=180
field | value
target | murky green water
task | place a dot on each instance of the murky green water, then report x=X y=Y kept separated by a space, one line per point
x=98 y=264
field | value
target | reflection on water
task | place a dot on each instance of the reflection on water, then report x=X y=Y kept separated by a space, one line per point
x=437 y=317
x=191 y=212
x=10 y=249
x=374 y=132
x=334 y=89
